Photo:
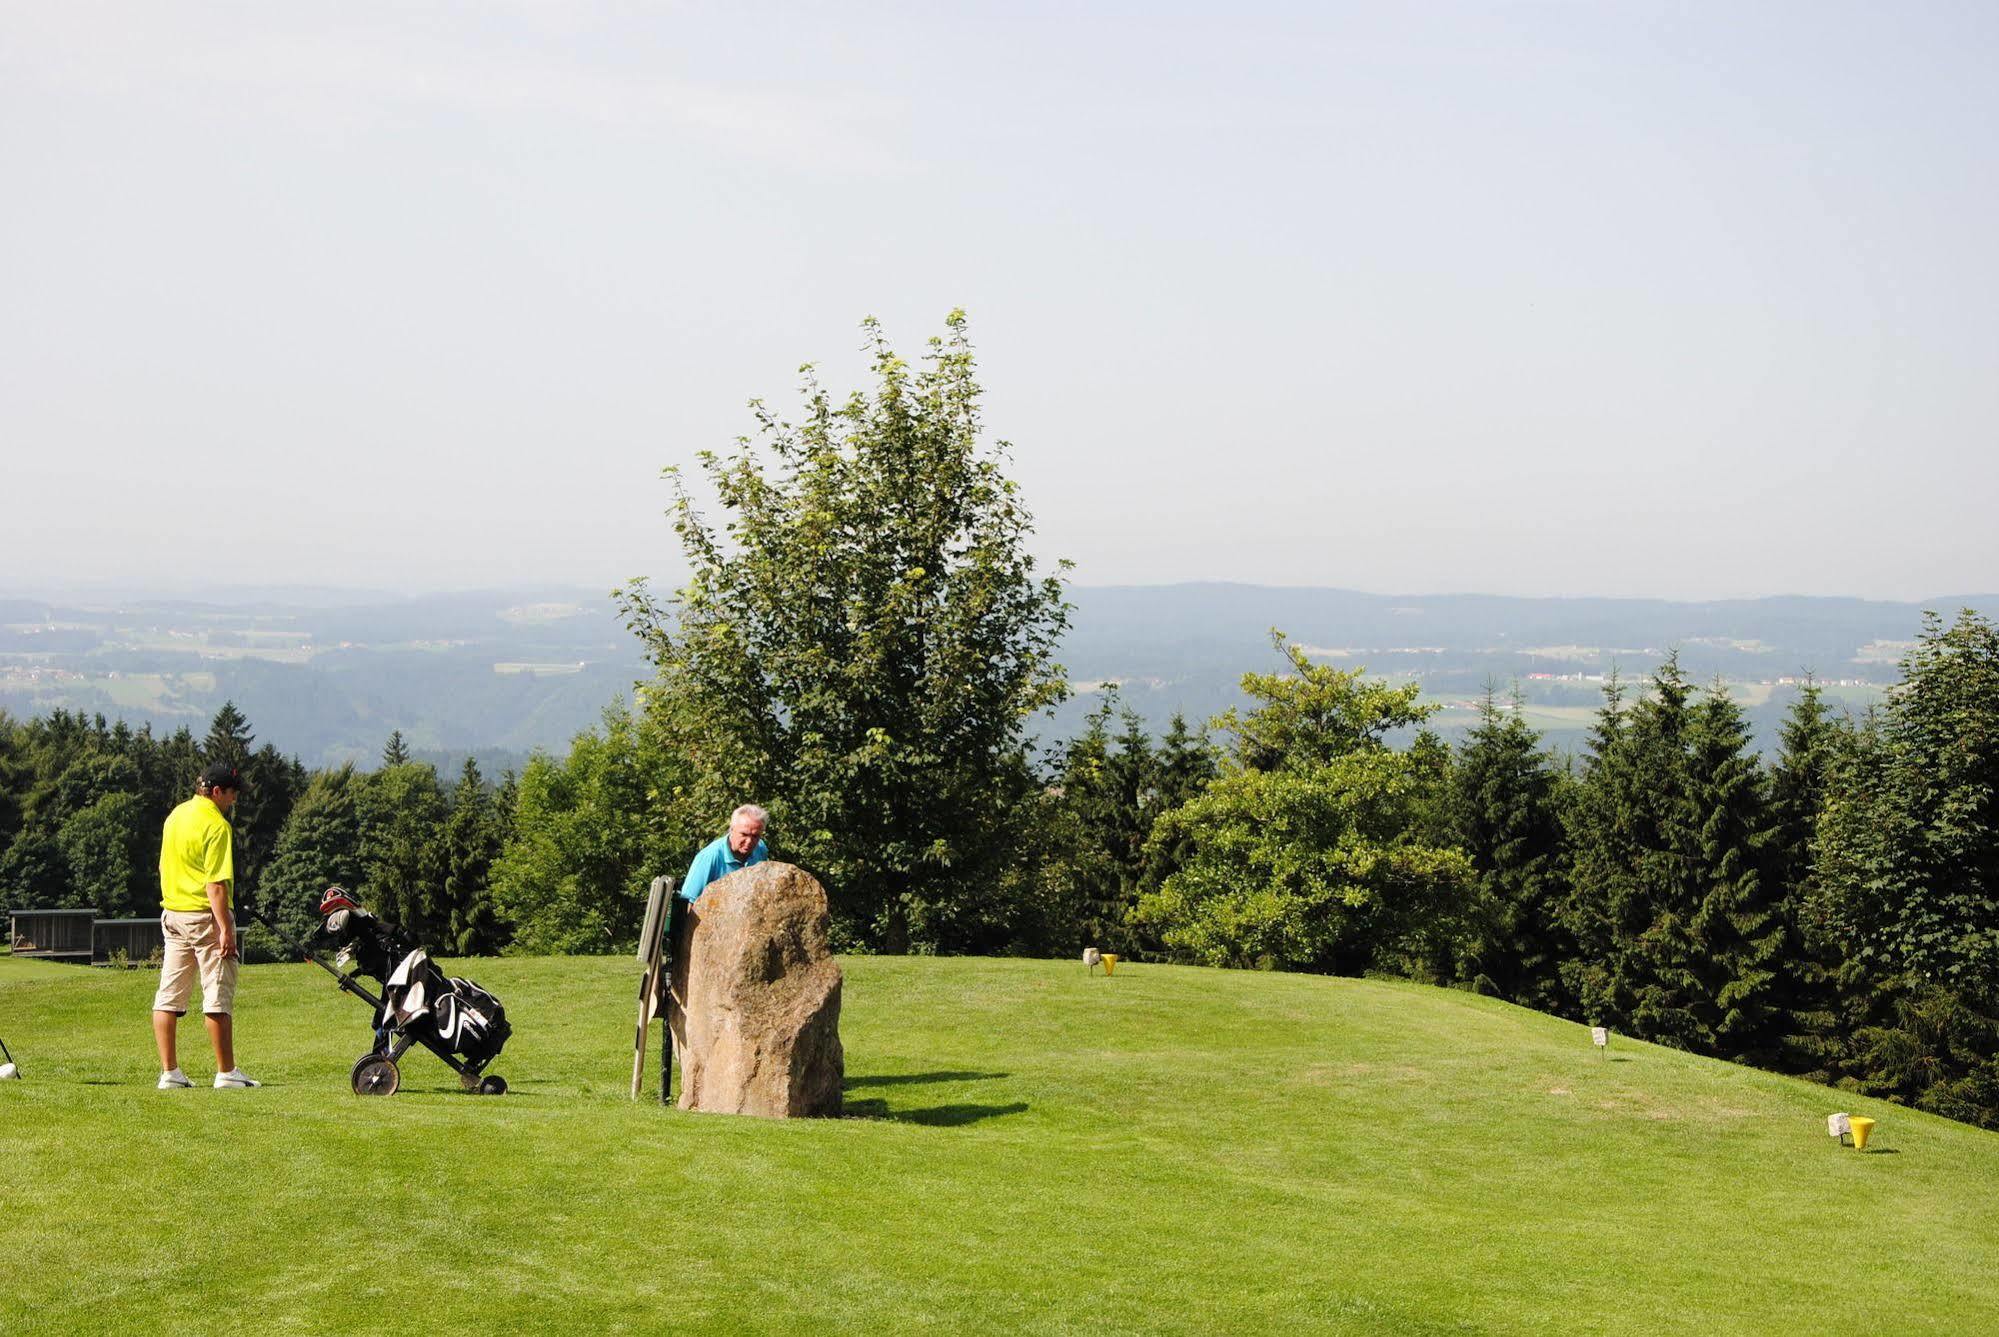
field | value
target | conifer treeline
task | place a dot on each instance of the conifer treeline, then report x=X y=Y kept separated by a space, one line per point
x=1832 y=912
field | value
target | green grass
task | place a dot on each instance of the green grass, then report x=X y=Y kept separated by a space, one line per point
x=1171 y=1150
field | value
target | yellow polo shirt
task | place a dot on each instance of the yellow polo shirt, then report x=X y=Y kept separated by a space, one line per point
x=195 y=849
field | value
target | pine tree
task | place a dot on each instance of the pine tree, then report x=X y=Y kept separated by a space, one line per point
x=471 y=846
x=395 y=752
x=506 y=805
x=1810 y=744
x=1508 y=821
x=1110 y=787
x=1600 y=912
x=1738 y=927
x=261 y=805
x=1087 y=870
x=14 y=781
x=229 y=738
x=1637 y=881
x=1186 y=766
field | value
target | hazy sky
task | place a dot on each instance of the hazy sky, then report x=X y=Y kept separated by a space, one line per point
x=1690 y=300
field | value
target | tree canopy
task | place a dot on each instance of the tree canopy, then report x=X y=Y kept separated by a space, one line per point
x=862 y=643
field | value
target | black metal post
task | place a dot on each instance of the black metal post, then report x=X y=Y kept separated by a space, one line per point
x=669 y=959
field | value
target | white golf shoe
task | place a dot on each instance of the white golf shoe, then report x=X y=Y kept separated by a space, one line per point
x=235 y=1077
x=174 y=1081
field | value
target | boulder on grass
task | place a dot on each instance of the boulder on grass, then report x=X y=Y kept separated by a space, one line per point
x=755 y=998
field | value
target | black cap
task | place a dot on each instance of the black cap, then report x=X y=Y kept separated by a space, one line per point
x=221 y=775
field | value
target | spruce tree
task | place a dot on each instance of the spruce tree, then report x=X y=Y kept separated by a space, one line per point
x=1110 y=786
x=1186 y=766
x=1083 y=841
x=1601 y=911
x=1639 y=879
x=14 y=781
x=261 y=805
x=1809 y=746
x=1738 y=927
x=229 y=738
x=471 y=845
x=395 y=752
x=1507 y=820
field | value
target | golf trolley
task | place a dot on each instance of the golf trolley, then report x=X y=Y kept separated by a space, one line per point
x=455 y=1019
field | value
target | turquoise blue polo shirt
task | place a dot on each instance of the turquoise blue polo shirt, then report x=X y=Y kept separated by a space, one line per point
x=714 y=861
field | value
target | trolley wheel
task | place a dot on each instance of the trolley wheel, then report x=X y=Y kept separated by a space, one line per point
x=376 y=1075
x=492 y=1086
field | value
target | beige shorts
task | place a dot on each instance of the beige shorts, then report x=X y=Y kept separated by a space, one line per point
x=194 y=945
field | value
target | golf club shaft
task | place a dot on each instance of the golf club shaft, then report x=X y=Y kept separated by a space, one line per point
x=344 y=981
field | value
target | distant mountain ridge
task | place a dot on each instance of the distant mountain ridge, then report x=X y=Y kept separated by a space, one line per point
x=513 y=670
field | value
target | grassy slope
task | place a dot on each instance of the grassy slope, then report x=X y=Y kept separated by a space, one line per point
x=1169 y=1150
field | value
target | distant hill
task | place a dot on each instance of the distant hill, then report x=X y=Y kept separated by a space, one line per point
x=1185 y=647
x=327 y=675
x=485 y=672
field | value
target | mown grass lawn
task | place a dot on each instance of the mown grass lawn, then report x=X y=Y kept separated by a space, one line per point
x=1169 y=1150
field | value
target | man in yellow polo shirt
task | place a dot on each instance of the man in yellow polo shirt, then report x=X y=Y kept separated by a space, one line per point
x=197 y=914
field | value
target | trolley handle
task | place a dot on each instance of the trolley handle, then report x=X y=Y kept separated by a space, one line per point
x=344 y=981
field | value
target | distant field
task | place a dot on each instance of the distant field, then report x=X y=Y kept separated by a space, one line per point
x=1034 y=1150
x=148 y=691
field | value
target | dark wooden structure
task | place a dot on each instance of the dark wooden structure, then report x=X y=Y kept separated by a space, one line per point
x=138 y=939
x=56 y=935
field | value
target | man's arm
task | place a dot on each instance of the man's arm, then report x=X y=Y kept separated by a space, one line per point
x=221 y=868
x=699 y=874
x=225 y=924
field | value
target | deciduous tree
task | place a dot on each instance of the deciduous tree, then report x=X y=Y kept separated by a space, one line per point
x=1306 y=853
x=861 y=645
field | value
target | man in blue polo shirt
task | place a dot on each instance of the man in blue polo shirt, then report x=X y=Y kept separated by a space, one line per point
x=742 y=847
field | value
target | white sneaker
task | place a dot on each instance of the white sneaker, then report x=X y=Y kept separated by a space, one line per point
x=234 y=1077
x=174 y=1081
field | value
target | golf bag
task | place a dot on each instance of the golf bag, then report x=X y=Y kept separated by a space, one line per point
x=454 y=1018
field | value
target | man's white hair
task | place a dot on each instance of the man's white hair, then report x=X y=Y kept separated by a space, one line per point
x=751 y=811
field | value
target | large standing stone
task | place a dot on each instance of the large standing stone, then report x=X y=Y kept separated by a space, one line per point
x=755 y=1001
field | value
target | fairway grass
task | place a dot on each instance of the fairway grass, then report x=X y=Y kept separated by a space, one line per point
x=1036 y=1149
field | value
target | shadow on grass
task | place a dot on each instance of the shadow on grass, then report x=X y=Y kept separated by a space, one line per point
x=912 y=1078
x=936 y=1116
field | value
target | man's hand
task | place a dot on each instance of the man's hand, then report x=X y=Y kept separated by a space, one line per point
x=225 y=922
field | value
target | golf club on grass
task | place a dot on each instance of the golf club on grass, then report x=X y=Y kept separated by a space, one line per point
x=9 y=1069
